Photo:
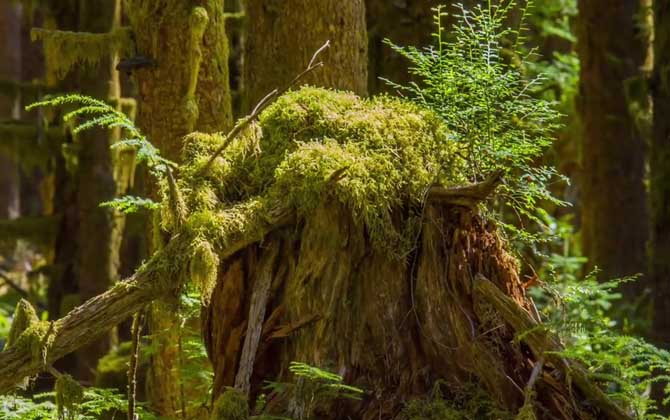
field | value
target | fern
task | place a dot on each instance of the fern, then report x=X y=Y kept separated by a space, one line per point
x=312 y=387
x=130 y=204
x=91 y=113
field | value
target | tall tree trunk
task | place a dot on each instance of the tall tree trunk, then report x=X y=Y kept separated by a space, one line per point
x=187 y=90
x=100 y=228
x=660 y=175
x=10 y=69
x=614 y=211
x=283 y=35
x=406 y=23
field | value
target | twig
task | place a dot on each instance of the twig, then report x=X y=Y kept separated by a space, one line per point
x=264 y=103
x=132 y=365
x=13 y=285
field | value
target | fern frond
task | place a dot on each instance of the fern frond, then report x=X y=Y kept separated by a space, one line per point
x=131 y=204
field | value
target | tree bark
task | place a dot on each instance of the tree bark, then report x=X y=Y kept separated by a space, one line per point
x=660 y=175
x=405 y=23
x=283 y=35
x=186 y=90
x=10 y=69
x=614 y=211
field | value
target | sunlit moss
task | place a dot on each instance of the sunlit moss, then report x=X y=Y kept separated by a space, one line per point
x=63 y=49
x=24 y=317
x=376 y=157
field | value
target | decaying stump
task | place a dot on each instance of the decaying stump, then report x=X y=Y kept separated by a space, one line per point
x=340 y=232
x=375 y=278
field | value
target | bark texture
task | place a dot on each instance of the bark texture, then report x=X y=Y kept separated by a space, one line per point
x=614 y=211
x=406 y=23
x=283 y=35
x=186 y=90
x=10 y=70
x=660 y=175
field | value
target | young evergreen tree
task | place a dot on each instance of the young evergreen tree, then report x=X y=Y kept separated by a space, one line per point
x=614 y=211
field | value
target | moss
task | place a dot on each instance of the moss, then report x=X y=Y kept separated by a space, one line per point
x=37 y=340
x=465 y=403
x=203 y=269
x=390 y=152
x=198 y=23
x=24 y=317
x=69 y=394
x=64 y=49
x=231 y=405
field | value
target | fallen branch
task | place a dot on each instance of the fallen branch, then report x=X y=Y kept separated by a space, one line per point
x=545 y=345
x=92 y=319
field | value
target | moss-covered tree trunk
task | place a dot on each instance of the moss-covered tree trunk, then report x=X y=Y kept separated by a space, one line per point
x=282 y=36
x=186 y=89
x=10 y=70
x=614 y=212
x=660 y=175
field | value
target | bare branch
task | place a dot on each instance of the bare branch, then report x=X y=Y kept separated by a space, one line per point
x=262 y=104
x=466 y=196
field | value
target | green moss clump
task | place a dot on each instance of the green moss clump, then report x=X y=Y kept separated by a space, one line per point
x=64 y=49
x=386 y=151
x=37 y=339
x=24 y=317
x=69 y=394
x=231 y=405
x=466 y=403
x=204 y=269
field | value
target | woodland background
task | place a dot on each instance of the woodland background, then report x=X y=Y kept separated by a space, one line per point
x=605 y=67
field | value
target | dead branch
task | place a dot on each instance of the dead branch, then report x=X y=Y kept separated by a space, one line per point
x=466 y=196
x=264 y=103
x=545 y=345
x=92 y=319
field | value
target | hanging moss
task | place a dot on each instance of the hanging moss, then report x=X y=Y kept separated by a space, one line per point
x=231 y=405
x=24 y=317
x=37 y=340
x=203 y=268
x=64 y=49
x=69 y=394
x=386 y=151
x=198 y=23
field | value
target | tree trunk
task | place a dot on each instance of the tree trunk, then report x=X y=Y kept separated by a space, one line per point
x=100 y=229
x=406 y=23
x=186 y=90
x=660 y=175
x=10 y=69
x=283 y=35
x=614 y=211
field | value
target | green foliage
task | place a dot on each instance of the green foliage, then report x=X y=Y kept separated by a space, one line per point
x=95 y=404
x=583 y=312
x=312 y=388
x=443 y=403
x=129 y=204
x=90 y=113
x=485 y=100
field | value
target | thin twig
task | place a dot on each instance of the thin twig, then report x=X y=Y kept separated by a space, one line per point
x=264 y=103
x=132 y=365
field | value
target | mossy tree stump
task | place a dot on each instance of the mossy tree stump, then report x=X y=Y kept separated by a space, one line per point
x=374 y=275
